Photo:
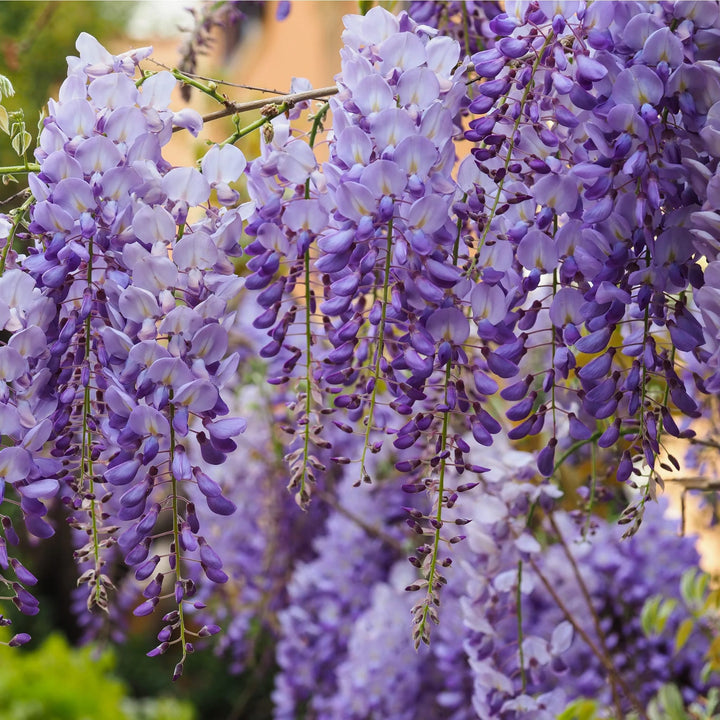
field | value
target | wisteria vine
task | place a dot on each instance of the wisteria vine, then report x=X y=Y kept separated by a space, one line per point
x=503 y=274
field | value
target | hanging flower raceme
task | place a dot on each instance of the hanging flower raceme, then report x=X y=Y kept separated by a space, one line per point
x=127 y=362
x=582 y=189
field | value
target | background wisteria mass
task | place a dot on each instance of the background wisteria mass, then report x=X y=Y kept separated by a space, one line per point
x=385 y=397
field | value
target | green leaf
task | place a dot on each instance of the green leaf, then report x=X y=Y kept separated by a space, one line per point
x=686 y=585
x=665 y=611
x=4 y=120
x=6 y=88
x=649 y=615
x=672 y=702
x=21 y=142
x=583 y=709
x=683 y=633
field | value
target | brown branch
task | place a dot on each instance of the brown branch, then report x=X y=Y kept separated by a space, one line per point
x=606 y=661
x=588 y=601
x=232 y=108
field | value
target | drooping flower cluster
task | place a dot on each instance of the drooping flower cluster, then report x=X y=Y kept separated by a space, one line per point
x=590 y=139
x=121 y=375
x=559 y=283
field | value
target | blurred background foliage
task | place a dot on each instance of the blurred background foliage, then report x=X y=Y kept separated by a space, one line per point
x=33 y=37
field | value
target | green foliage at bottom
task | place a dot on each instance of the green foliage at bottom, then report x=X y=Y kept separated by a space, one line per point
x=59 y=682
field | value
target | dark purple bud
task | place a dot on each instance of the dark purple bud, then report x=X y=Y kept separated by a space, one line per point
x=610 y=436
x=159 y=650
x=481 y=435
x=220 y=505
x=578 y=429
x=522 y=430
x=597 y=368
x=522 y=409
x=546 y=459
x=484 y=384
x=208 y=556
x=123 y=473
x=214 y=574
x=624 y=468
x=208 y=630
x=146 y=608
x=19 y=639
x=138 y=553
x=144 y=571
x=594 y=342
x=155 y=587
x=22 y=574
x=512 y=47
x=501 y=366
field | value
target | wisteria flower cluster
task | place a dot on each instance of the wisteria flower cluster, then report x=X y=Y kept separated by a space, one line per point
x=118 y=351
x=491 y=257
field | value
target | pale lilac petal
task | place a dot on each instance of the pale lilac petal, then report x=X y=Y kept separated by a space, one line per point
x=97 y=154
x=637 y=85
x=402 y=50
x=353 y=146
x=226 y=428
x=155 y=273
x=75 y=196
x=52 y=218
x=391 y=126
x=12 y=364
x=154 y=224
x=663 y=46
x=297 y=162
x=428 y=214
x=558 y=192
x=156 y=91
x=416 y=155
x=138 y=304
x=145 y=420
x=223 y=164
x=488 y=303
x=169 y=371
x=536 y=250
x=210 y=343
x=15 y=463
x=44 y=488
x=181 y=320
x=187 y=184
x=355 y=201
x=188 y=119
x=372 y=95
x=195 y=250
x=419 y=87
x=125 y=124
x=449 y=324
x=305 y=215
x=566 y=306
x=197 y=395
x=92 y=53
x=76 y=117
x=30 y=342
x=113 y=90
x=443 y=54
x=59 y=165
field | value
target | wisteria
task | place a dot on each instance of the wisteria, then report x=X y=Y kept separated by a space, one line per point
x=437 y=349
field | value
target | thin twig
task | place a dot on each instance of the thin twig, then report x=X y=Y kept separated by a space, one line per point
x=588 y=601
x=237 y=108
x=604 y=660
x=197 y=76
